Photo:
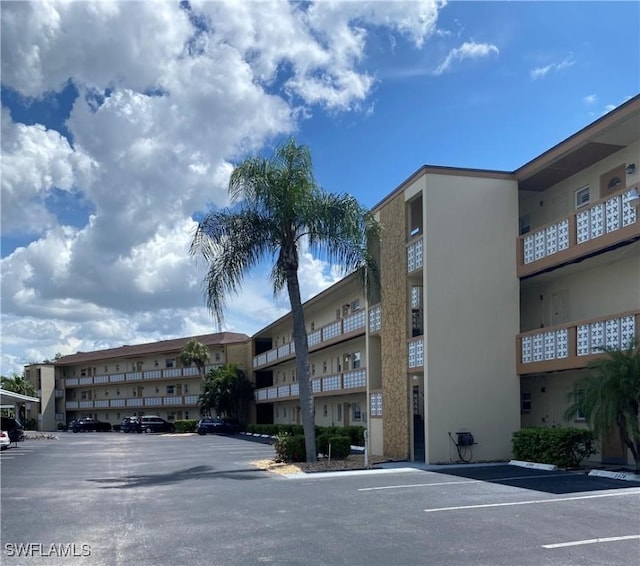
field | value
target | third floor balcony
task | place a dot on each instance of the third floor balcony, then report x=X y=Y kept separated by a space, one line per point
x=589 y=230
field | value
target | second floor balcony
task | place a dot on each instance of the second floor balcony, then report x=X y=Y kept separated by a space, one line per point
x=336 y=384
x=591 y=229
x=133 y=402
x=352 y=325
x=136 y=376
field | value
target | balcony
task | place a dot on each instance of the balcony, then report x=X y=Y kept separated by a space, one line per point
x=347 y=382
x=573 y=345
x=136 y=376
x=134 y=402
x=586 y=231
x=320 y=338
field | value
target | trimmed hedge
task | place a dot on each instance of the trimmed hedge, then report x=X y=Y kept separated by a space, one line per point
x=355 y=433
x=185 y=425
x=564 y=447
x=336 y=446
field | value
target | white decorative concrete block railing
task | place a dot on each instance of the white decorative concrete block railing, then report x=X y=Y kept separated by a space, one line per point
x=314 y=338
x=591 y=222
x=416 y=353
x=414 y=255
x=375 y=318
x=137 y=402
x=331 y=330
x=190 y=399
x=579 y=339
x=117 y=403
x=375 y=404
x=295 y=389
x=331 y=383
x=355 y=378
x=612 y=333
x=354 y=322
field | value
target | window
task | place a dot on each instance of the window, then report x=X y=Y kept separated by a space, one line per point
x=218 y=357
x=357 y=411
x=325 y=410
x=284 y=412
x=117 y=367
x=118 y=416
x=339 y=412
x=106 y=370
x=356 y=360
x=339 y=363
x=355 y=305
x=84 y=395
x=171 y=389
x=525 y=402
x=186 y=415
x=313 y=369
x=324 y=366
x=313 y=326
x=155 y=363
x=338 y=314
x=277 y=412
x=83 y=373
x=582 y=197
x=171 y=416
x=169 y=362
x=186 y=388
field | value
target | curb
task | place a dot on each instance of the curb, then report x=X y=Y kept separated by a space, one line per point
x=627 y=476
x=533 y=465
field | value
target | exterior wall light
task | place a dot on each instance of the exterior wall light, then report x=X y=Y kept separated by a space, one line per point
x=633 y=198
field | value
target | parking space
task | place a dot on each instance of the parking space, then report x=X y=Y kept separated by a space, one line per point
x=188 y=499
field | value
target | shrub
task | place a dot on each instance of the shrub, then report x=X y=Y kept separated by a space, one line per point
x=62 y=426
x=564 y=447
x=356 y=433
x=338 y=447
x=185 y=425
x=116 y=428
x=290 y=448
x=31 y=424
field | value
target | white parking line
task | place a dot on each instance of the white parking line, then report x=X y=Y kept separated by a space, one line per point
x=590 y=541
x=531 y=502
x=459 y=482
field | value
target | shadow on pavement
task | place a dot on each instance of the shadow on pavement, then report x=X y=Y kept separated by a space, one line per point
x=197 y=473
x=557 y=482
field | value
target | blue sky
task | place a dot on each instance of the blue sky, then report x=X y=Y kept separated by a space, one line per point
x=121 y=120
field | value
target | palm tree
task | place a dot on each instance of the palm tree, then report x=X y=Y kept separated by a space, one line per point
x=609 y=398
x=195 y=353
x=18 y=384
x=277 y=207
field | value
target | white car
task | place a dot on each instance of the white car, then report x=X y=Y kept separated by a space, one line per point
x=5 y=442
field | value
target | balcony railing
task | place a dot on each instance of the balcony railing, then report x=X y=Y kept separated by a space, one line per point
x=317 y=338
x=415 y=254
x=133 y=402
x=588 y=230
x=375 y=318
x=169 y=373
x=355 y=379
x=416 y=353
x=574 y=345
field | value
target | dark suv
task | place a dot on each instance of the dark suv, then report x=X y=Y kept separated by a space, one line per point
x=13 y=428
x=156 y=424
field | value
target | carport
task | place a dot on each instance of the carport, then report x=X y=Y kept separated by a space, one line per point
x=11 y=400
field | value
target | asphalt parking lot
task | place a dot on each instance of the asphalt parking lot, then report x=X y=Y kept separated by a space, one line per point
x=115 y=499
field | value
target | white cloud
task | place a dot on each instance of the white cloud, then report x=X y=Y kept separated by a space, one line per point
x=468 y=50
x=168 y=101
x=541 y=72
x=590 y=99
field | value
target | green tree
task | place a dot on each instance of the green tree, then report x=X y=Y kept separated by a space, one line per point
x=18 y=384
x=227 y=392
x=609 y=397
x=277 y=207
x=195 y=353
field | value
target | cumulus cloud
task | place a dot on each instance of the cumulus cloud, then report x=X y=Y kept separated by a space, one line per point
x=468 y=50
x=168 y=98
x=541 y=72
x=590 y=99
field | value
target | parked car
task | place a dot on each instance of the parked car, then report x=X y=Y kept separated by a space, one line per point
x=131 y=424
x=5 y=441
x=13 y=427
x=156 y=424
x=88 y=424
x=211 y=425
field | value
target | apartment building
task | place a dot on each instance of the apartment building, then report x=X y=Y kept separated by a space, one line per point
x=143 y=379
x=497 y=288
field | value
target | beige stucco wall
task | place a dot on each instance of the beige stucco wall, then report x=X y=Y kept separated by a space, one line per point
x=472 y=314
x=597 y=287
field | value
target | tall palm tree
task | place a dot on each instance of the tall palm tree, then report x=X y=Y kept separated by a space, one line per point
x=18 y=384
x=609 y=398
x=193 y=352
x=277 y=206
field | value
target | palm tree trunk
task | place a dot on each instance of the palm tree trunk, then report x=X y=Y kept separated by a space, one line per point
x=302 y=365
